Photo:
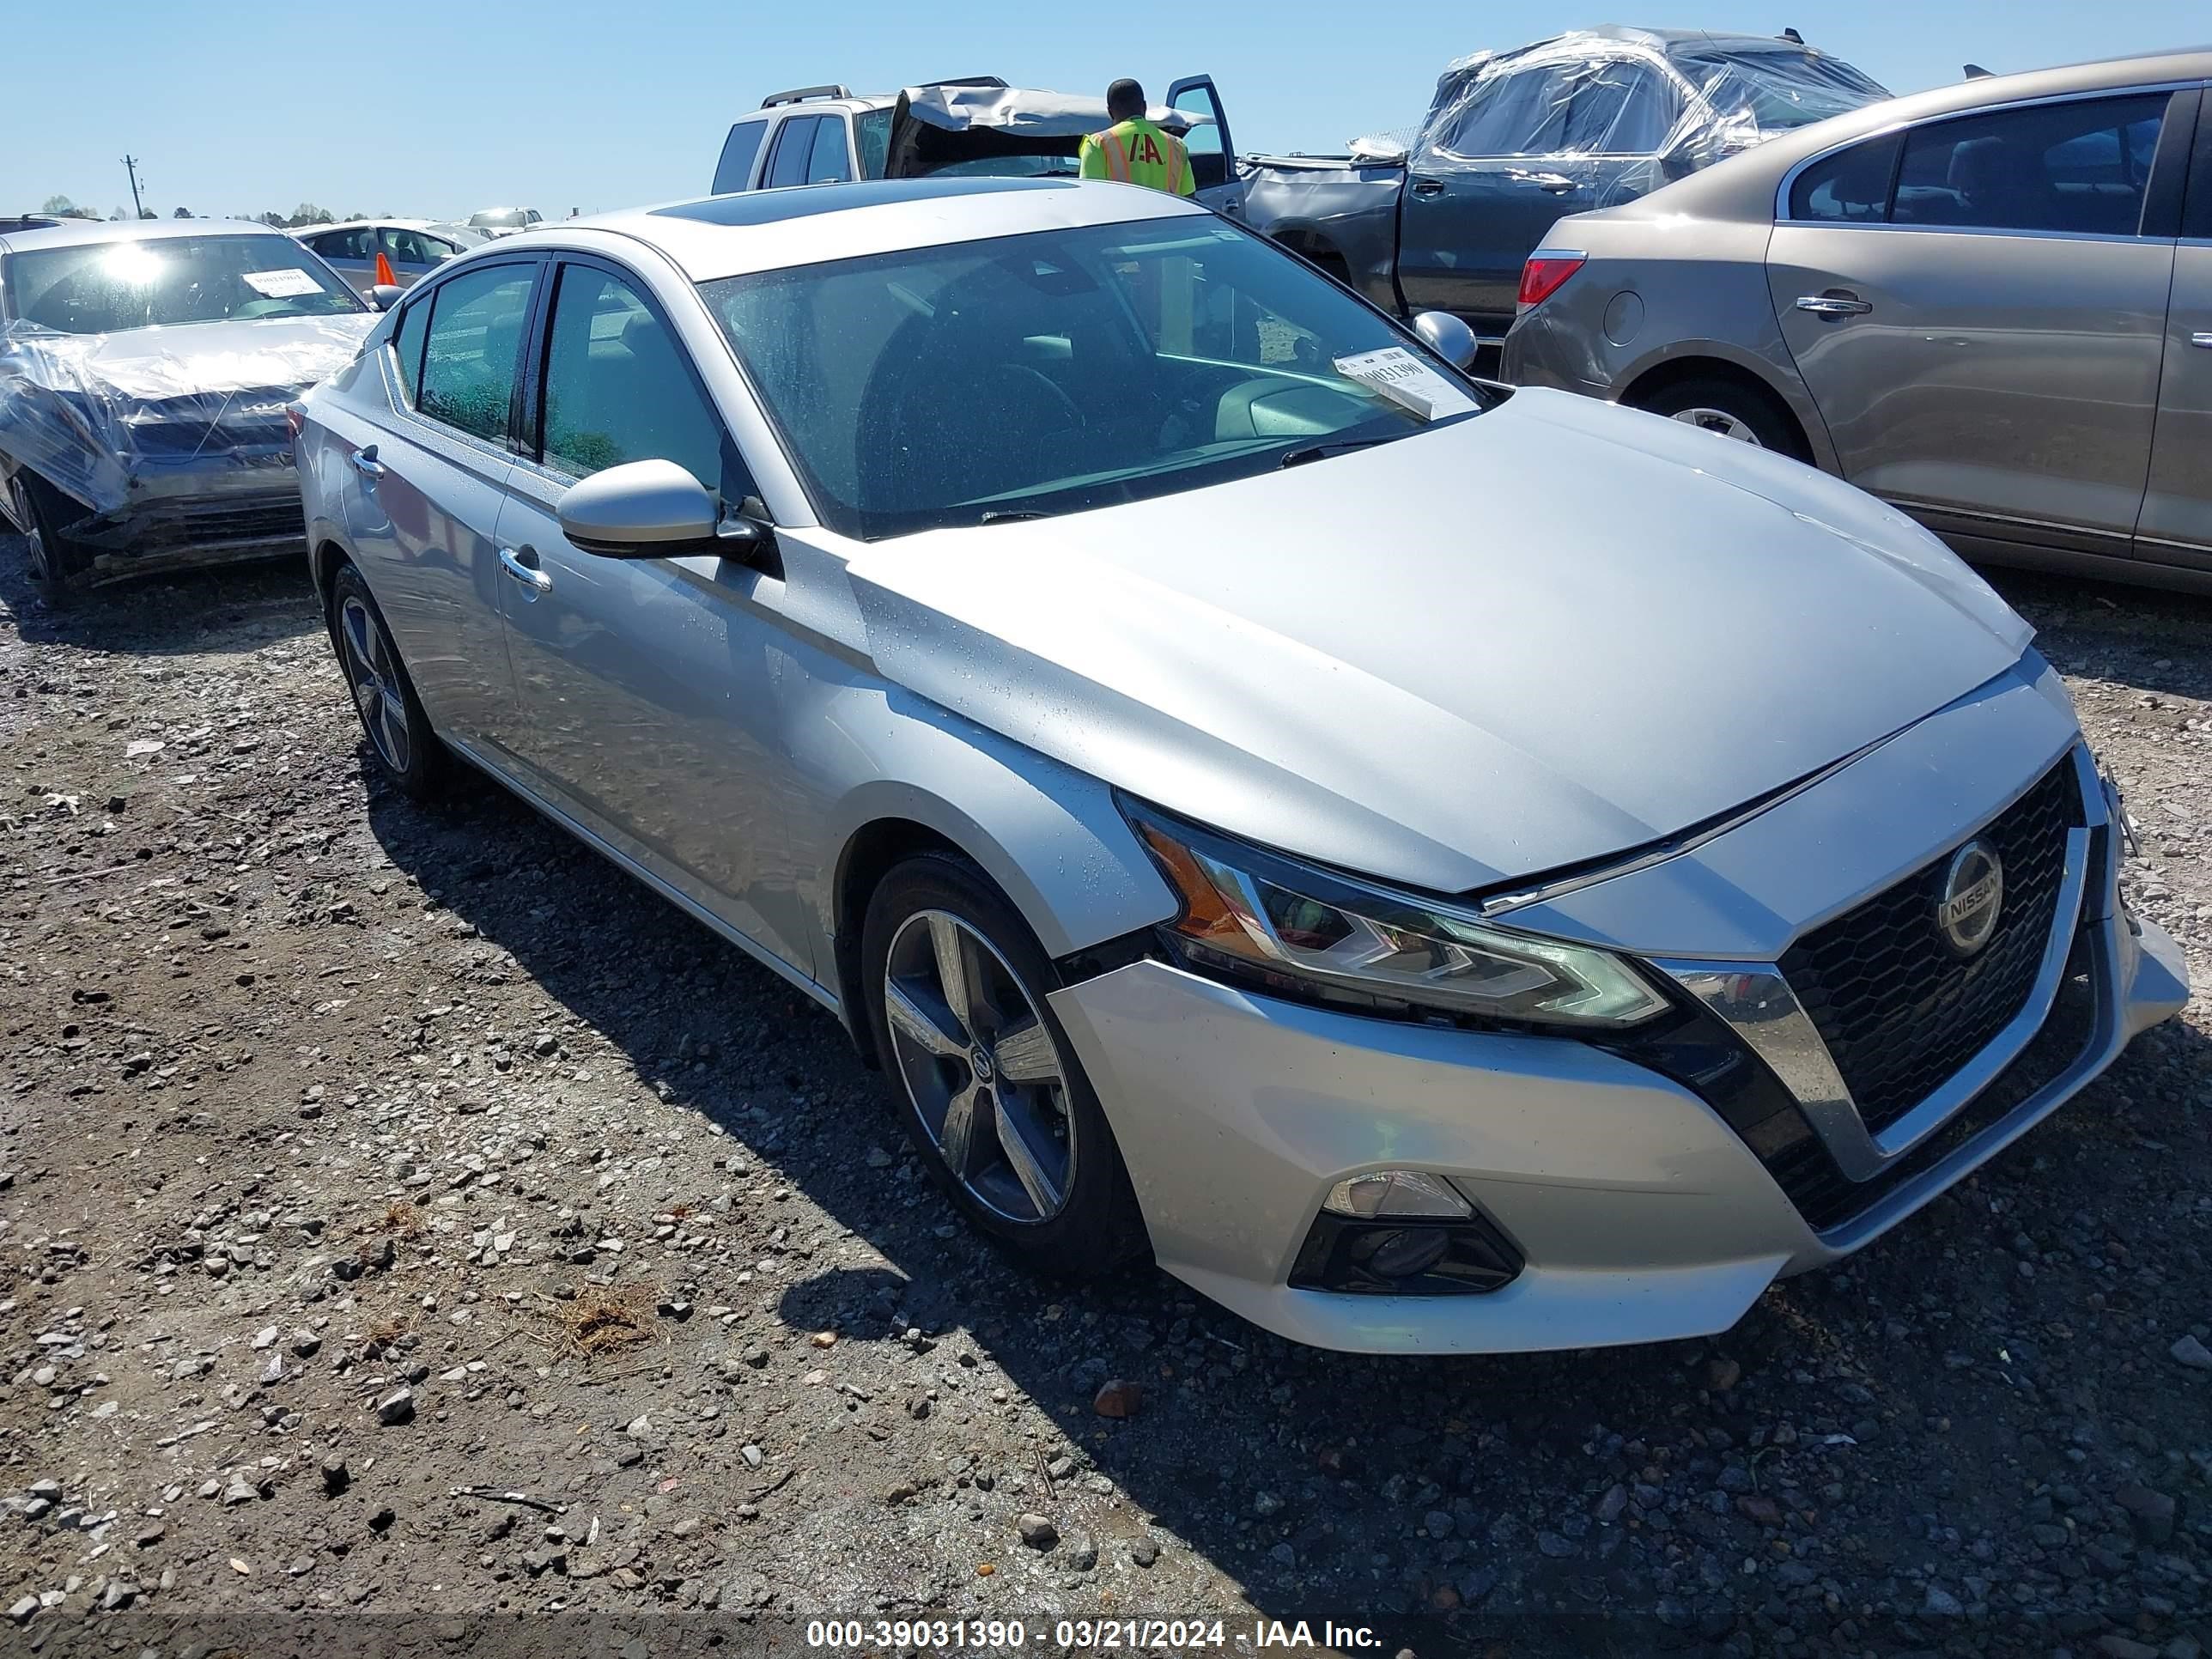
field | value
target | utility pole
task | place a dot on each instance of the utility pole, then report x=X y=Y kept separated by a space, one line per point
x=130 y=166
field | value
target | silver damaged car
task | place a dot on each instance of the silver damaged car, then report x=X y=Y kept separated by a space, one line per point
x=1439 y=870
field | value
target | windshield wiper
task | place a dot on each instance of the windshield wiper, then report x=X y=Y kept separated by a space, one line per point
x=1010 y=515
x=1322 y=452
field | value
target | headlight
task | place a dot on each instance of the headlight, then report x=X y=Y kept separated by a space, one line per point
x=1258 y=914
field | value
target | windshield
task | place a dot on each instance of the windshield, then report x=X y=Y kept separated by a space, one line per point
x=103 y=288
x=1780 y=90
x=499 y=219
x=1024 y=376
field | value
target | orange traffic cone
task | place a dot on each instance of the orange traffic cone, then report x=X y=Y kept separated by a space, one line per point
x=384 y=271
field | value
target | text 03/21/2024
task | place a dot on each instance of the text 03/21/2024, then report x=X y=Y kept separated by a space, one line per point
x=996 y=1635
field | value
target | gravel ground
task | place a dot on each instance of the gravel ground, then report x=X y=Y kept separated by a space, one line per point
x=356 y=1156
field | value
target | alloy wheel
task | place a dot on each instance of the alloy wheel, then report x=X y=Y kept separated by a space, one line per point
x=371 y=664
x=1721 y=424
x=982 y=1070
x=42 y=562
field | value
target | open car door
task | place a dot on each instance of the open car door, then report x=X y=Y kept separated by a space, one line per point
x=1212 y=156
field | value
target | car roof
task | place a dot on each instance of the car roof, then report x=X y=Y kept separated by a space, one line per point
x=808 y=224
x=362 y=224
x=1743 y=187
x=83 y=233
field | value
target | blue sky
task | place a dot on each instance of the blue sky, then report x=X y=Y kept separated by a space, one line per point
x=390 y=105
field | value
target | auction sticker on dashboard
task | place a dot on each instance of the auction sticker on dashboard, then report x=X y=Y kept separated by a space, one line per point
x=1406 y=380
x=281 y=284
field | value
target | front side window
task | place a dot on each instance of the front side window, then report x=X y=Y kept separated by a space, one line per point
x=2079 y=167
x=407 y=345
x=412 y=247
x=101 y=288
x=473 y=346
x=872 y=131
x=618 y=387
x=826 y=161
x=1024 y=376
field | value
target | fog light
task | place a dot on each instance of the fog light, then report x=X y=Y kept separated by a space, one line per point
x=1400 y=1251
x=1458 y=1253
x=1397 y=1192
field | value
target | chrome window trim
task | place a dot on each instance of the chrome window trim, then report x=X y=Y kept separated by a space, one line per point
x=1789 y=178
x=1756 y=1001
x=1987 y=230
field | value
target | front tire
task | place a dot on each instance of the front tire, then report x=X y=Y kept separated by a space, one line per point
x=989 y=1088
x=407 y=751
x=58 y=562
x=1731 y=408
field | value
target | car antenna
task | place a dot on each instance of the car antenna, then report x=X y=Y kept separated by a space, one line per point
x=1793 y=37
x=1975 y=72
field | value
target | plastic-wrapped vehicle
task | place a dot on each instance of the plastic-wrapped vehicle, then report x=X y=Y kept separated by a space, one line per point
x=1515 y=140
x=144 y=368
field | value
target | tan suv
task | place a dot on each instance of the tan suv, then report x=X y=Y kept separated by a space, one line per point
x=1990 y=305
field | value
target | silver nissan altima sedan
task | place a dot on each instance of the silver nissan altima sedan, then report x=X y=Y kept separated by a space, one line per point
x=1438 y=869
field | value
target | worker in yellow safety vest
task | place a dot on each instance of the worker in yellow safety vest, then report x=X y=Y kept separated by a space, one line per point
x=1134 y=151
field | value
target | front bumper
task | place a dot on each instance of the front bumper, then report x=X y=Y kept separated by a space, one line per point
x=1642 y=1214
x=232 y=504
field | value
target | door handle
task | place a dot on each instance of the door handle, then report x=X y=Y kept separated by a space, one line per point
x=365 y=462
x=534 y=580
x=1832 y=306
x=1428 y=186
x=1557 y=183
x=2204 y=340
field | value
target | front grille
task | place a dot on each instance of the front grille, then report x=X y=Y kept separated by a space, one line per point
x=267 y=521
x=1900 y=1014
x=1827 y=1199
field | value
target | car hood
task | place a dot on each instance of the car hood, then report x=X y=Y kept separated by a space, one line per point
x=1539 y=637
x=150 y=363
x=90 y=412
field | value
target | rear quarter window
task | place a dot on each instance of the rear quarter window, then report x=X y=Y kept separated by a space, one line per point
x=735 y=170
x=1849 y=188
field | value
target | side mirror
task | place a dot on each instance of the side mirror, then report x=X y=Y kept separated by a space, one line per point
x=384 y=296
x=639 y=510
x=1448 y=336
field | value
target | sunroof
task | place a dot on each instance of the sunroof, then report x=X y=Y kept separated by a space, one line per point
x=769 y=207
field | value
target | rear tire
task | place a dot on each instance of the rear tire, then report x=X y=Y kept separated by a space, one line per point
x=989 y=1088
x=1731 y=408
x=406 y=749
x=58 y=561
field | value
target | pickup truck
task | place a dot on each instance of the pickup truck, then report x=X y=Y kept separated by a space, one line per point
x=978 y=124
x=1515 y=140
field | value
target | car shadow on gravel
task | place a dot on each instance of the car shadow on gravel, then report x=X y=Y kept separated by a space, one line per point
x=2135 y=636
x=251 y=603
x=1583 y=1502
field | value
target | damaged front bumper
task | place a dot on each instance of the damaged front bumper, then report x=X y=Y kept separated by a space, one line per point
x=239 y=504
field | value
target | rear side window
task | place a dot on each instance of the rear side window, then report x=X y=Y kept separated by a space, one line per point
x=2077 y=168
x=618 y=387
x=735 y=170
x=359 y=244
x=474 y=344
x=1849 y=188
x=795 y=144
x=407 y=345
